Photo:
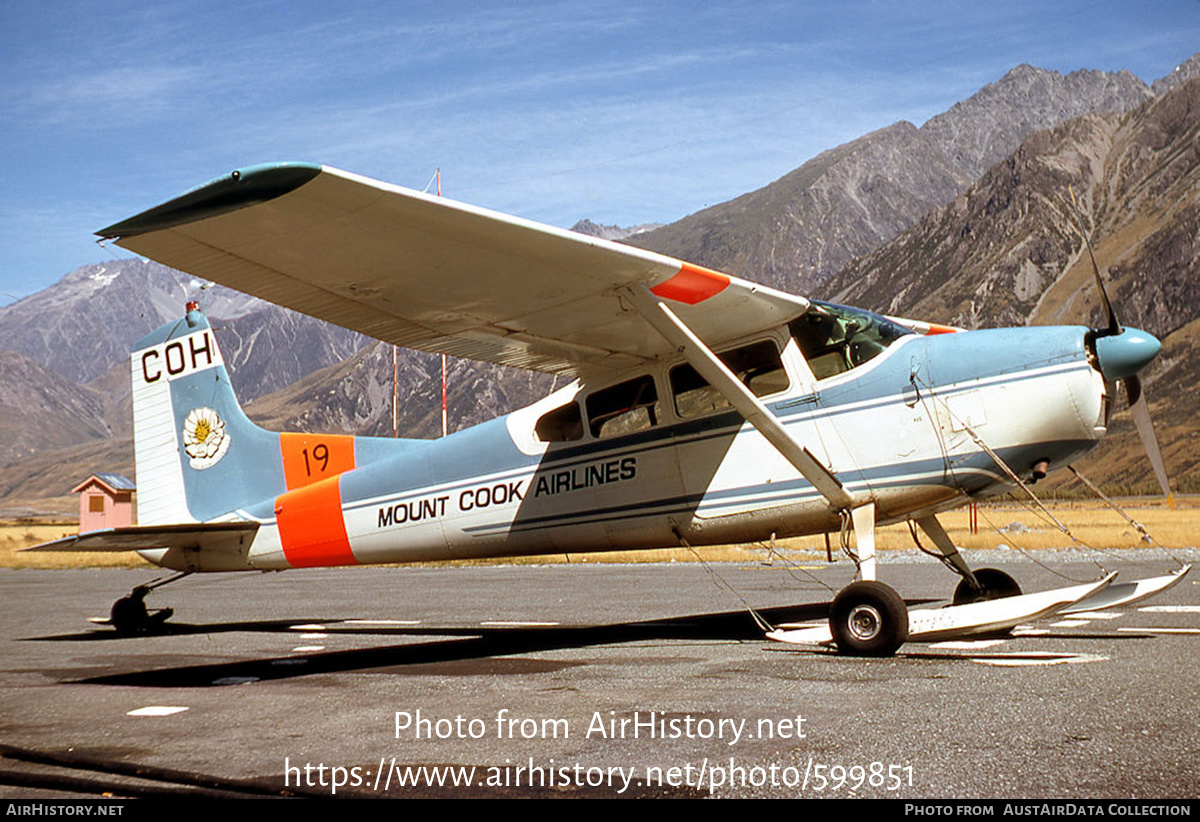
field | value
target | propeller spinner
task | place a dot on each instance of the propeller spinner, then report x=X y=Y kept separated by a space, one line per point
x=1120 y=354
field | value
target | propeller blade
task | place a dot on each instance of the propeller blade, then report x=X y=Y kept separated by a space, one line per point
x=1114 y=327
x=1145 y=428
x=1126 y=352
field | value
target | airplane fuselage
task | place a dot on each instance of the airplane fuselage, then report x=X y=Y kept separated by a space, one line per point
x=901 y=429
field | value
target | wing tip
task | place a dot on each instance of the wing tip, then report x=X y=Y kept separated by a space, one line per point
x=240 y=188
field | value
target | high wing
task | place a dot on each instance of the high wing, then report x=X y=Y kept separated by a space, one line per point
x=430 y=273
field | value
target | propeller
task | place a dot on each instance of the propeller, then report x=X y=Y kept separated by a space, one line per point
x=1122 y=353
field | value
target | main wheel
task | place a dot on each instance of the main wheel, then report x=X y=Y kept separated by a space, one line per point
x=996 y=585
x=868 y=619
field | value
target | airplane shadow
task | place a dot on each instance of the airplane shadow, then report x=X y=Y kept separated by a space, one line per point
x=479 y=644
x=478 y=648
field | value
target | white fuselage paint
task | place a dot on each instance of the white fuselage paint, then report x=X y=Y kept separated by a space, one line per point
x=707 y=489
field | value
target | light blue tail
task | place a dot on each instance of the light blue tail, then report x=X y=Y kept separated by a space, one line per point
x=198 y=455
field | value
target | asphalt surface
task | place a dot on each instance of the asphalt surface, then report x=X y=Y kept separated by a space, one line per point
x=586 y=680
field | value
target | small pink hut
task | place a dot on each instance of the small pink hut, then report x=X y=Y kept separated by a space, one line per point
x=105 y=501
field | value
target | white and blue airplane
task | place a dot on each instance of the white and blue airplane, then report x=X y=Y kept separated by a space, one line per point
x=703 y=409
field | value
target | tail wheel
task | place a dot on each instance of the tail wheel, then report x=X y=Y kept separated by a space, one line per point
x=129 y=615
x=995 y=583
x=868 y=619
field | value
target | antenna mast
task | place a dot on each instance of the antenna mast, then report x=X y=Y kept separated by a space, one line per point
x=445 y=420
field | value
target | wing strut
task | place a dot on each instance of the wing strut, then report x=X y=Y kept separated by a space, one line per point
x=667 y=323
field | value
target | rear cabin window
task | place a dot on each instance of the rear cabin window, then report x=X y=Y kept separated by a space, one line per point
x=563 y=424
x=624 y=408
x=757 y=365
x=835 y=338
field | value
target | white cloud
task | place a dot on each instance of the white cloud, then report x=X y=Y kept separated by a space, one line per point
x=624 y=112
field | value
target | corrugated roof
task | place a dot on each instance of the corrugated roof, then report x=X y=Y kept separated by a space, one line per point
x=118 y=481
x=114 y=482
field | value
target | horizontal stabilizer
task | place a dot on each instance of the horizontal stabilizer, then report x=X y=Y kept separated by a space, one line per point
x=211 y=546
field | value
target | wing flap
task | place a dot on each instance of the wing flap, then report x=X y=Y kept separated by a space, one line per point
x=429 y=273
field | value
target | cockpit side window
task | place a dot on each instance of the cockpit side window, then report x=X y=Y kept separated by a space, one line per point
x=563 y=424
x=758 y=366
x=835 y=338
x=624 y=408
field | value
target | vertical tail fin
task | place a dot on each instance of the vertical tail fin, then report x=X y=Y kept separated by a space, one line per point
x=198 y=455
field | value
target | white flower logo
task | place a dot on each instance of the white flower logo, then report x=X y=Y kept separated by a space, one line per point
x=204 y=438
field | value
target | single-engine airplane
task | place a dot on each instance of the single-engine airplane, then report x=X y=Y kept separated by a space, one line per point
x=703 y=409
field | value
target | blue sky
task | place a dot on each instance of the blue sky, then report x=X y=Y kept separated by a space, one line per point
x=620 y=112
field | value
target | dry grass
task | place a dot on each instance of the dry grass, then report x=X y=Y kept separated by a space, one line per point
x=1092 y=523
x=17 y=535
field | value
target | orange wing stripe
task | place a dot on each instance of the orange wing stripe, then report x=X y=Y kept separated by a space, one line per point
x=692 y=285
x=311 y=528
x=308 y=458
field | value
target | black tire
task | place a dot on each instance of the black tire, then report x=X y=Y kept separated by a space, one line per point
x=996 y=585
x=129 y=615
x=868 y=619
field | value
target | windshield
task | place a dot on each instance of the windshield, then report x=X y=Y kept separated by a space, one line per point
x=835 y=338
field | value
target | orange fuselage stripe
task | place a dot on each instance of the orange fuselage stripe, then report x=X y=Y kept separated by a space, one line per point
x=692 y=285
x=312 y=529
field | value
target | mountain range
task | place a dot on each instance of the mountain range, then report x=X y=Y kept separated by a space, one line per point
x=801 y=229
x=1010 y=251
x=965 y=219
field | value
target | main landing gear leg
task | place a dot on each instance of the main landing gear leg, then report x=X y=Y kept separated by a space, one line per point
x=129 y=614
x=867 y=617
x=976 y=586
